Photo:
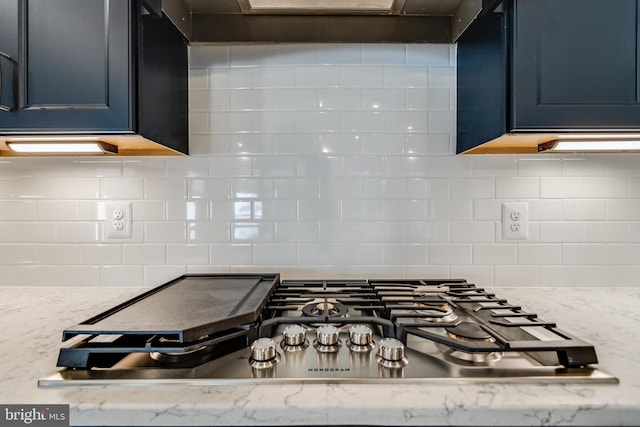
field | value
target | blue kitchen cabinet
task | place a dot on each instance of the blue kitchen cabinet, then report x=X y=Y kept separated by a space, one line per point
x=550 y=66
x=92 y=67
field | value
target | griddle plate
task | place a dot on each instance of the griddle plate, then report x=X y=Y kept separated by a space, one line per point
x=187 y=308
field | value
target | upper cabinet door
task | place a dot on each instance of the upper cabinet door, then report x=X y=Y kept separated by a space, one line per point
x=575 y=65
x=70 y=66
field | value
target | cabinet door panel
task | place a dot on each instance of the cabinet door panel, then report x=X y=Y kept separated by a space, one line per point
x=74 y=67
x=57 y=74
x=574 y=68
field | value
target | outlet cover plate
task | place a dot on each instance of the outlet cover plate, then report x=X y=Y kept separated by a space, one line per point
x=515 y=221
x=117 y=224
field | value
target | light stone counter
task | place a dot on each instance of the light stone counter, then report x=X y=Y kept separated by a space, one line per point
x=32 y=320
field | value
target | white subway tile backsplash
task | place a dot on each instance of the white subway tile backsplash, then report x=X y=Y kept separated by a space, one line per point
x=322 y=161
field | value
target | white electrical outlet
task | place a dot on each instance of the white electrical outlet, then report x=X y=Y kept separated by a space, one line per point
x=515 y=221
x=117 y=223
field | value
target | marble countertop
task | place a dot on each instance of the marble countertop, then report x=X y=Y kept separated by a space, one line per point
x=32 y=319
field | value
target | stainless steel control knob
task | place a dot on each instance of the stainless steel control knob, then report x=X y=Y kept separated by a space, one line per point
x=263 y=350
x=294 y=335
x=391 y=353
x=360 y=335
x=327 y=335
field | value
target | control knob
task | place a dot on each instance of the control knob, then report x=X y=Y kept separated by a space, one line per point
x=327 y=335
x=360 y=338
x=263 y=353
x=294 y=335
x=391 y=353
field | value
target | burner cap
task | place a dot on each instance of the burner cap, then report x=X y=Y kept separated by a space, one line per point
x=330 y=309
x=467 y=331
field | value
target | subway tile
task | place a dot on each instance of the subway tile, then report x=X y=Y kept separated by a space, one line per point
x=122 y=188
x=9 y=276
x=78 y=232
x=198 y=77
x=339 y=99
x=384 y=53
x=496 y=254
x=608 y=187
x=251 y=100
x=405 y=254
x=293 y=54
x=283 y=210
x=225 y=167
x=122 y=275
x=585 y=254
x=623 y=209
x=209 y=188
x=100 y=168
x=450 y=254
x=317 y=121
x=341 y=231
x=387 y=232
x=536 y=166
x=562 y=231
x=297 y=188
x=187 y=167
x=547 y=254
x=78 y=188
x=405 y=77
x=340 y=143
x=101 y=254
x=407 y=166
x=449 y=167
x=545 y=209
x=296 y=231
x=441 y=121
x=319 y=210
x=607 y=231
x=245 y=55
x=362 y=121
x=430 y=54
x=480 y=274
x=584 y=166
x=165 y=232
x=428 y=232
x=495 y=166
x=400 y=210
x=189 y=254
x=32 y=188
x=252 y=232
x=518 y=188
x=517 y=275
x=363 y=210
x=622 y=254
x=383 y=143
x=451 y=210
x=206 y=232
x=319 y=254
x=584 y=210
x=274 y=254
x=192 y=210
x=561 y=187
x=293 y=99
x=487 y=209
x=275 y=166
x=209 y=56
x=365 y=76
x=56 y=210
x=413 y=121
x=144 y=254
x=473 y=188
x=360 y=254
x=295 y=144
x=317 y=76
x=363 y=166
x=384 y=99
x=472 y=232
x=165 y=188
x=339 y=53
x=274 y=77
x=341 y=188
x=442 y=77
x=17 y=167
x=143 y=167
x=39 y=232
x=238 y=122
x=252 y=188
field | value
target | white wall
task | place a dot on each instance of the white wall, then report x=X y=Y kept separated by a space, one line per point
x=329 y=161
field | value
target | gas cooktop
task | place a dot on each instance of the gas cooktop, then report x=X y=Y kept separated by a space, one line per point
x=241 y=328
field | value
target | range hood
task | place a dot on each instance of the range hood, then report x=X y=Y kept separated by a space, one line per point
x=325 y=21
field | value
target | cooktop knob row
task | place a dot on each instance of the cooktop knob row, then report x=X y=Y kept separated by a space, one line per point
x=327 y=335
x=391 y=353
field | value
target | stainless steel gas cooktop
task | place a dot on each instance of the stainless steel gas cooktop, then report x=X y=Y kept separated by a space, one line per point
x=235 y=329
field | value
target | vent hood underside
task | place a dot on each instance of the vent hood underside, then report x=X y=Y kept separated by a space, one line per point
x=328 y=21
